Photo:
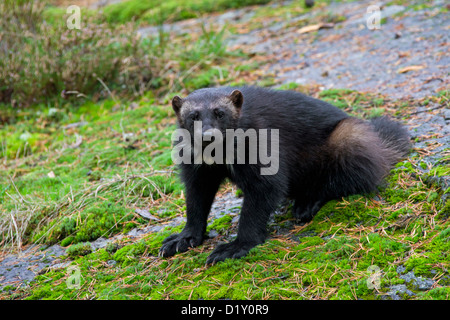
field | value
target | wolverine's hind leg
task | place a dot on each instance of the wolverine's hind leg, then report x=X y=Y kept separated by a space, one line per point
x=306 y=207
x=304 y=210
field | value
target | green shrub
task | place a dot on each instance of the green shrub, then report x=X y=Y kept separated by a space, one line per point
x=40 y=60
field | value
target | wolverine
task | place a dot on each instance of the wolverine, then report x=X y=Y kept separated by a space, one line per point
x=323 y=154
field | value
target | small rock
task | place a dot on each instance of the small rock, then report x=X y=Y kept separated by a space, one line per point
x=390 y=11
x=419 y=283
x=401 y=289
x=111 y=263
x=135 y=232
x=423 y=284
x=446 y=113
x=61 y=265
x=408 y=277
x=401 y=269
x=75 y=125
x=145 y=214
x=99 y=243
x=213 y=233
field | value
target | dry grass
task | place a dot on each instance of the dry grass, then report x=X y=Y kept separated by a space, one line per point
x=68 y=64
x=59 y=60
x=13 y=227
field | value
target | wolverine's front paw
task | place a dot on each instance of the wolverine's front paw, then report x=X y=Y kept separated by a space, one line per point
x=179 y=242
x=235 y=250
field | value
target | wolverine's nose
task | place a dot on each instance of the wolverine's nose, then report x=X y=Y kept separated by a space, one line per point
x=207 y=131
x=206 y=137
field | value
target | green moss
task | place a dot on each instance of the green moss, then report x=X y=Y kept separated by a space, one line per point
x=93 y=222
x=439 y=171
x=206 y=79
x=339 y=247
x=289 y=86
x=440 y=293
x=239 y=193
x=375 y=112
x=334 y=94
x=80 y=249
x=247 y=66
x=220 y=225
x=155 y=12
x=67 y=241
x=128 y=254
x=71 y=198
x=112 y=247
x=445 y=234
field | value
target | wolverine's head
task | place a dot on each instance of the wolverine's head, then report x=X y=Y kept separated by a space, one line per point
x=216 y=108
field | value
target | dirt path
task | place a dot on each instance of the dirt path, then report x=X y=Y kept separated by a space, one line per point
x=345 y=54
x=349 y=55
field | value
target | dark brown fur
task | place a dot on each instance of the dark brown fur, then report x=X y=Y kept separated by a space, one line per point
x=324 y=154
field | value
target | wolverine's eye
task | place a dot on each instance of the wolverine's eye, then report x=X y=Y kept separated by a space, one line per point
x=194 y=116
x=219 y=113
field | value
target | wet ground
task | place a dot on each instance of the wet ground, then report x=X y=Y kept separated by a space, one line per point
x=345 y=53
x=349 y=55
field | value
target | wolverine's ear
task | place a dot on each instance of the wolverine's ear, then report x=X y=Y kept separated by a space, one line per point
x=177 y=102
x=237 y=98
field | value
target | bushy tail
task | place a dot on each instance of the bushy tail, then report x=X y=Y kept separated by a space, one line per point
x=362 y=153
x=393 y=136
